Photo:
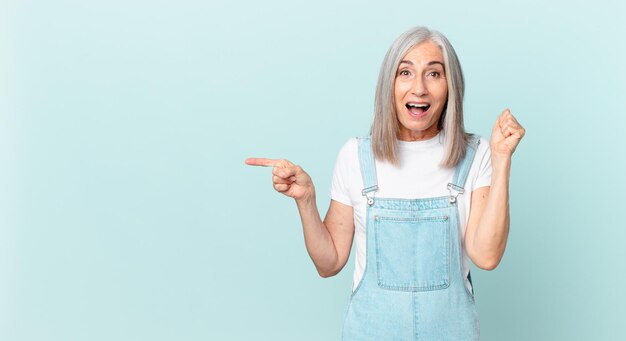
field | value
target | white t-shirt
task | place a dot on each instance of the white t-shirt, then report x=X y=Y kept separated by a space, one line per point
x=418 y=176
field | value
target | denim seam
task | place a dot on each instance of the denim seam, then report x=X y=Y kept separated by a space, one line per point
x=462 y=274
x=415 y=219
x=442 y=198
x=367 y=253
x=394 y=287
x=415 y=316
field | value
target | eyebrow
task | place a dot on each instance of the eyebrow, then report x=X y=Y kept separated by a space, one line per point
x=429 y=63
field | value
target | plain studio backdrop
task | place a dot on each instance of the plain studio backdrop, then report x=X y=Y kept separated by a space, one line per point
x=127 y=213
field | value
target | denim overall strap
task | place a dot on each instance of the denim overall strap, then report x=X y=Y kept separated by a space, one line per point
x=368 y=169
x=457 y=186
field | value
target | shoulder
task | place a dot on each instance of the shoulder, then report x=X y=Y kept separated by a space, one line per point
x=481 y=166
x=349 y=149
x=346 y=173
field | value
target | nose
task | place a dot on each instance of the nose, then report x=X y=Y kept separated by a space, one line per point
x=419 y=87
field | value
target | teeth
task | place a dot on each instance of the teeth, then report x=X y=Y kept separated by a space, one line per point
x=417 y=105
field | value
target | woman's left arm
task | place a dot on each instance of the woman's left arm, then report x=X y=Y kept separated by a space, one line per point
x=488 y=225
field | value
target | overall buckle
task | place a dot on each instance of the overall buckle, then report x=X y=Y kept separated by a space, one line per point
x=370 y=199
x=455 y=191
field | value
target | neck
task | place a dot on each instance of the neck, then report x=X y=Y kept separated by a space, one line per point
x=412 y=136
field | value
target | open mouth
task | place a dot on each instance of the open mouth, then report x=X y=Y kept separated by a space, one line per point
x=417 y=109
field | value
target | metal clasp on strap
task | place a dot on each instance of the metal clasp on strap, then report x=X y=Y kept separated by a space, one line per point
x=455 y=191
x=365 y=191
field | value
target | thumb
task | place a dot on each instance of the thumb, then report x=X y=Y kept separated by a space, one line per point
x=498 y=126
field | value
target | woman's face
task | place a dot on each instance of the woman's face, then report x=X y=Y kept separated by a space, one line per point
x=420 y=92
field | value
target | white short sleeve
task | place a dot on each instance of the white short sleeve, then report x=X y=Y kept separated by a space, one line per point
x=483 y=176
x=340 y=189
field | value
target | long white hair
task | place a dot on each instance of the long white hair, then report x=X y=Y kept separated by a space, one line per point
x=386 y=126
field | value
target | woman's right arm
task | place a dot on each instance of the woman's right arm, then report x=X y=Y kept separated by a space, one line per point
x=328 y=242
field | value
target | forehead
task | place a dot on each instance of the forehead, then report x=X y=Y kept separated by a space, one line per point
x=424 y=52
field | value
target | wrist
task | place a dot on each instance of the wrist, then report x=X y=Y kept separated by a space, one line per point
x=500 y=163
x=306 y=200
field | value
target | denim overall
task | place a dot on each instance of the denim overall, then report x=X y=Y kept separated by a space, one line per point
x=413 y=287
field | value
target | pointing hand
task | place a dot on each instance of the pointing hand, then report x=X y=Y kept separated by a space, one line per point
x=288 y=179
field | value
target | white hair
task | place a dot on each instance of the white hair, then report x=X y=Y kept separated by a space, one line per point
x=386 y=126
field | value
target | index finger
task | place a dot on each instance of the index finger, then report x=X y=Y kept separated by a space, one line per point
x=261 y=162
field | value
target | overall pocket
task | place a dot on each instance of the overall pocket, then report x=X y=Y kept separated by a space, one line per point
x=413 y=253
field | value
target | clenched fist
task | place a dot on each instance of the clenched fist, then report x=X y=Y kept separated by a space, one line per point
x=505 y=136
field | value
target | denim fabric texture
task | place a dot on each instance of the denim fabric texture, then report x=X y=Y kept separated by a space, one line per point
x=413 y=286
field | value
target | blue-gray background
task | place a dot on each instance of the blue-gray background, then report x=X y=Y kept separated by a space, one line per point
x=126 y=212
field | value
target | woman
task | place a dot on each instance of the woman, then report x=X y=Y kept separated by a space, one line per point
x=423 y=194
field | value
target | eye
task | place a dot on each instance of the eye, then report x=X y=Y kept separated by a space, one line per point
x=435 y=74
x=404 y=73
